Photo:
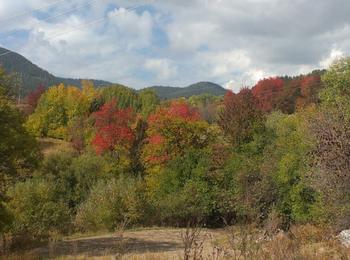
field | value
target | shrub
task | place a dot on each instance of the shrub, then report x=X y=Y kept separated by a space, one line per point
x=74 y=176
x=5 y=218
x=109 y=204
x=181 y=191
x=19 y=151
x=36 y=209
x=330 y=128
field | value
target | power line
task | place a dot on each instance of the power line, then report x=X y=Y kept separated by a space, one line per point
x=92 y=2
x=5 y=53
x=31 y=11
x=129 y=9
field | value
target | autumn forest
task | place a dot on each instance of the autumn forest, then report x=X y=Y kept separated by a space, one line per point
x=275 y=156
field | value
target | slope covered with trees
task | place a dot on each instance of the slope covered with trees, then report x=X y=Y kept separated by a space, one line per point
x=166 y=92
x=30 y=76
x=274 y=155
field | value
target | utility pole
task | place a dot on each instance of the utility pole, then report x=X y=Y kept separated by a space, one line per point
x=19 y=82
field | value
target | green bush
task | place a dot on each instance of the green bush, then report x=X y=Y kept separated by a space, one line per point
x=109 y=204
x=19 y=152
x=36 y=209
x=269 y=173
x=73 y=176
x=286 y=161
x=181 y=192
x=5 y=218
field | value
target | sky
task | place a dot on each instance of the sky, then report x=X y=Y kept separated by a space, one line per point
x=177 y=42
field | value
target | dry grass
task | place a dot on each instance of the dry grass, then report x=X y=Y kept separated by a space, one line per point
x=303 y=242
x=51 y=146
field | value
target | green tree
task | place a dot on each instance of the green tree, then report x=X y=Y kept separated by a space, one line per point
x=244 y=194
x=181 y=192
x=270 y=173
x=287 y=160
x=207 y=105
x=149 y=101
x=74 y=176
x=56 y=109
x=8 y=84
x=19 y=152
x=336 y=93
x=36 y=209
x=110 y=204
x=331 y=129
x=125 y=97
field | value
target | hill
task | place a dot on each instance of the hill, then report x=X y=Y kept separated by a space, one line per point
x=167 y=92
x=31 y=75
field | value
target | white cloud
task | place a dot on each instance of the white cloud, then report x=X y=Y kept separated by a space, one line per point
x=190 y=36
x=334 y=55
x=224 y=63
x=231 y=42
x=233 y=86
x=163 y=69
x=233 y=68
x=103 y=50
x=256 y=74
x=134 y=30
x=246 y=79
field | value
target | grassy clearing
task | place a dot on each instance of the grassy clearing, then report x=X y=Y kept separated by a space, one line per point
x=51 y=146
x=304 y=242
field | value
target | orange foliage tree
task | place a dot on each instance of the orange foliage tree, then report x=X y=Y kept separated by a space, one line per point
x=267 y=92
x=172 y=130
x=240 y=116
x=309 y=88
x=33 y=97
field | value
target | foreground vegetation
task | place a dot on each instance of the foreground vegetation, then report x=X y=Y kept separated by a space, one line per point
x=239 y=242
x=274 y=156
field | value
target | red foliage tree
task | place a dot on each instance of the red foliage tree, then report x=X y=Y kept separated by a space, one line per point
x=176 y=109
x=33 y=97
x=113 y=128
x=240 y=116
x=229 y=96
x=309 y=88
x=171 y=130
x=267 y=91
x=77 y=132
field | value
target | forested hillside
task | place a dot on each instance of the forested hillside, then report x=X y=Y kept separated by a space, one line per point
x=30 y=76
x=273 y=156
x=166 y=92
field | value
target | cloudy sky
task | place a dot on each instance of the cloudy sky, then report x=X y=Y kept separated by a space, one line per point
x=177 y=42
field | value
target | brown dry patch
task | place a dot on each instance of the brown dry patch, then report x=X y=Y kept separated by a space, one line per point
x=51 y=146
x=304 y=242
x=143 y=244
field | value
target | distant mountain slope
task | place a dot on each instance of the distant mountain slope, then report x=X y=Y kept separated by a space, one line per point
x=166 y=92
x=30 y=75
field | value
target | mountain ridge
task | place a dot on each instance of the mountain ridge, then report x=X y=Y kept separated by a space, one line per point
x=31 y=76
x=168 y=92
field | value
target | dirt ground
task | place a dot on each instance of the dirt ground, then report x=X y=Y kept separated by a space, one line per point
x=305 y=242
x=144 y=242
